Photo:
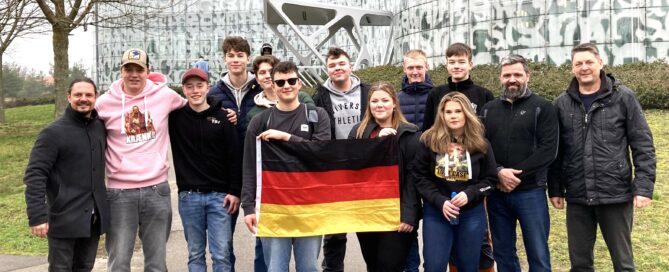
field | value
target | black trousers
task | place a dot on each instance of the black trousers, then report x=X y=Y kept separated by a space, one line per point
x=74 y=254
x=385 y=251
x=615 y=222
x=334 y=251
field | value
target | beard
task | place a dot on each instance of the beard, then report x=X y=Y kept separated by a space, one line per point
x=514 y=94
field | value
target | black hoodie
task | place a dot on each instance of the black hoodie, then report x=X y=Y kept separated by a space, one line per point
x=478 y=95
x=206 y=152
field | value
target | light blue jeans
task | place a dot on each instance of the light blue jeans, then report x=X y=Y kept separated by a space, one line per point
x=147 y=209
x=278 y=251
x=205 y=218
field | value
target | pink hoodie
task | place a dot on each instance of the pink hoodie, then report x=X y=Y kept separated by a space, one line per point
x=137 y=134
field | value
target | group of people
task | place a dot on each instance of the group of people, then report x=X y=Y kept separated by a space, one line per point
x=471 y=166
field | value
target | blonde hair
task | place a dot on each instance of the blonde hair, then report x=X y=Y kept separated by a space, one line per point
x=415 y=54
x=439 y=136
x=397 y=117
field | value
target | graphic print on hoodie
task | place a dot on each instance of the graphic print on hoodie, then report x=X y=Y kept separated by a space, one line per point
x=345 y=107
x=137 y=135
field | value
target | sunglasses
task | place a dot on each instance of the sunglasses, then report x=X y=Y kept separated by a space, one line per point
x=281 y=82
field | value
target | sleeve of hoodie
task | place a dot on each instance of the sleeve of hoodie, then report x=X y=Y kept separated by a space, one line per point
x=322 y=130
x=410 y=205
x=483 y=184
x=640 y=141
x=430 y=104
x=176 y=101
x=423 y=170
x=234 y=157
x=249 y=167
x=546 y=134
x=42 y=158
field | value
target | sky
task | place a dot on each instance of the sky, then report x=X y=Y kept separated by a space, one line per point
x=36 y=52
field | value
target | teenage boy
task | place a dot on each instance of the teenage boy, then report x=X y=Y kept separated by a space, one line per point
x=66 y=169
x=207 y=162
x=416 y=85
x=135 y=112
x=287 y=121
x=344 y=98
x=458 y=64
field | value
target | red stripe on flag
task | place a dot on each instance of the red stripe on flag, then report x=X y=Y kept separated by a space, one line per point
x=304 y=188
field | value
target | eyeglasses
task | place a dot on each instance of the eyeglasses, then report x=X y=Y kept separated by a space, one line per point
x=281 y=82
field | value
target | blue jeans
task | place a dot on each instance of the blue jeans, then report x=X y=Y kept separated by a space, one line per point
x=440 y=238
x=147 y=209
x=205 y=218
x=530 y=208
x=413 y=260
x=259 y=260
x=277 y=253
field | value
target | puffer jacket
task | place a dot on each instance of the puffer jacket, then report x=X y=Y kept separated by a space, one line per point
x=594 y=166
x=412 y=99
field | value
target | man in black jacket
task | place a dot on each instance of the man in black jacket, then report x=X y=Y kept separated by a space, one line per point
x=67 y=166
x=207 y=162
x=522 y=129
x=600 y=122
x=344 y=98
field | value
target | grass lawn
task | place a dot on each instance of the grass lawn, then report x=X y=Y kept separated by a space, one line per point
x=650 y=234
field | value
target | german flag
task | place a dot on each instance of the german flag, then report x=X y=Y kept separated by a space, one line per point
x=316 y=188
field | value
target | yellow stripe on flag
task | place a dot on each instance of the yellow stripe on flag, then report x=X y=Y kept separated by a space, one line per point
x=328 y=218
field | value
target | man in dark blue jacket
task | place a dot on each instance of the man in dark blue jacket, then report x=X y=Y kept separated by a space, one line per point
x=522 y=129
x=416 y=85
x=207 y=162
x=601 y=121
x=67 y=166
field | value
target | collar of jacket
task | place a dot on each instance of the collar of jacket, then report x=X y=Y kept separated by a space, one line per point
x=80 y=117
x=418 y=86
x=457 y=86
x=605 y=88
x=214 y=105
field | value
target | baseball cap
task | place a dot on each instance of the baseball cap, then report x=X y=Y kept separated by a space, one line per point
x=136 y=56
x=194 y=72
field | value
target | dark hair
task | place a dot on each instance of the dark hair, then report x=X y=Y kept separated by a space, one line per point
x=269 y=59
x=284 y=67
x=236 y=43
x=336 y=52
x=78 y=80
x=513 y=59
x=585 y=47
x=459 y=49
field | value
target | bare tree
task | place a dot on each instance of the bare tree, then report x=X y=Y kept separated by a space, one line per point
x=17 y=18
x=65 y=16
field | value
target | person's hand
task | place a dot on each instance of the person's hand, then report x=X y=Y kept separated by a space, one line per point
x=557 y=202
x=232 y=116
x=387 y=131
x=251 y=223
x=508 y=180
x=460 y=199
x=232 y=203
x=404 y=227
x=273 y=134
x=450 y=211
x=40 y=230
x=641 y=201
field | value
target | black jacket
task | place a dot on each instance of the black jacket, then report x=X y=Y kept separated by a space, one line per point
x=594 y=165
x=476 y=94
x=436 y=190
x=206 y=152
x=409 y=140
x=322 y=99
x=222 y=92
x=67 y=165
x=524 y=136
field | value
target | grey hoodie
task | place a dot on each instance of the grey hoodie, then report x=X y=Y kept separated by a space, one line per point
x=345 y=106
x=241 y=92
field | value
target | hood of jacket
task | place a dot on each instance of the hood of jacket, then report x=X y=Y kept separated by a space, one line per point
x=261 y=100
x=355 y=86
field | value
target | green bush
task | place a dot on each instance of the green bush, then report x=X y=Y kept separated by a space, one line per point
x=30 y=101
x=650 y=81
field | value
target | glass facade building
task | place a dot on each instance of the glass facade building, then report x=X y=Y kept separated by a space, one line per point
x=544 y=30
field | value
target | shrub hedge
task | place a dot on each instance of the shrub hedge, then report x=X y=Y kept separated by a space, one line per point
x=650 y=81
x=30 y=101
